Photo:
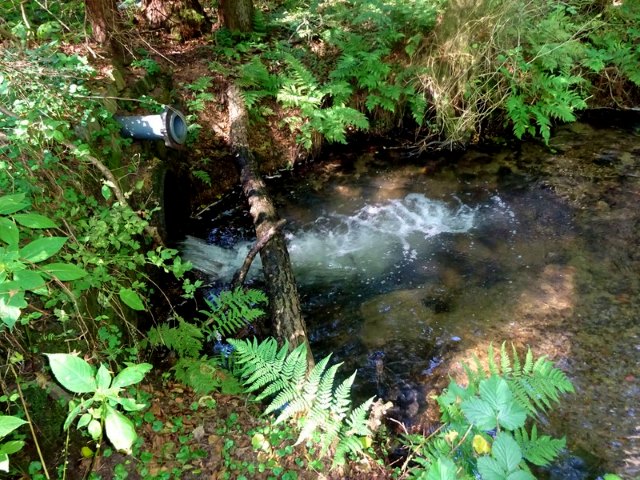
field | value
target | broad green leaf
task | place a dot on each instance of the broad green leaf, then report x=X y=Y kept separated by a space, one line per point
x=120 y=430
x=130 y=405
x=11 y=447
x=42 y=248
x=34 y=220
x=84 y=420
x=480 y=413
x=28 y=280
x=442 y=469
x=8 y=424
x=4 y=462
x=103 y=377
x=9 y=314
x=131 y=375
x=9 y=232
x=12 y=203
x=72 y=372
x=131 y=299
x=64 y=272
x=506 y=452
x=490 y=469
x=495 y=391
x=520 y=475
x=95 y=429
x=512 y=415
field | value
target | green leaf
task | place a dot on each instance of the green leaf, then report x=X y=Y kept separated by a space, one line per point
x=95 y=429
x=103 y=377
x=120 y=430
x=480 y=413
x=490 y=469
x=520 y=475
x=42 y=248
x=12 y=203
x=106 y=192
x=4 y=462
x=84 y=420
x=34 y=220
x=28 y=280
x=64 y=272
x=506 y=452
x=8 y=424
x=9 y=232
x=13 y=446
x=72 y=372
x=9 y=313
x=75 y=411
x=130 y=405
x=131 y=375
x=131 y=299
x=442 y=469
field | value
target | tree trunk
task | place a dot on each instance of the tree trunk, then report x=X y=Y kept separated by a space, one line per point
x=106 y=27
x=238 y=15
x=283 y=296
x=185 y=19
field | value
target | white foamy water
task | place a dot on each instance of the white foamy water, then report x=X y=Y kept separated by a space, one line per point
x=337 y=246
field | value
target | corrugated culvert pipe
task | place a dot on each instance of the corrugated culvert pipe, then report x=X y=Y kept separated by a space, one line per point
x=170 y=126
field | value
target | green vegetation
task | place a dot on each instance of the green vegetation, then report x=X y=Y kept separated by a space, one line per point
x=484 y=425
x=81 y=263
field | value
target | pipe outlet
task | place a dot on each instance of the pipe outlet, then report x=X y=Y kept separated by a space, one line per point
x=169 y=126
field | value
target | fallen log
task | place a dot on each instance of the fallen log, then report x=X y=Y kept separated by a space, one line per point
x=284 y=301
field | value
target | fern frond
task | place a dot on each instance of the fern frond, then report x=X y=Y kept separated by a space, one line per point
x=538 y=450
x=357 y=419
x=346 y=445
x=231 y=311
x=505 y=361
x=342 y=402
x=185 y=339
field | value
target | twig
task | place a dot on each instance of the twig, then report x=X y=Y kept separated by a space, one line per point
x=33 y=431
x=239 y=277
x=44 y=7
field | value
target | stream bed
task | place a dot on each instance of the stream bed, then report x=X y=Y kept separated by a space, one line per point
x=409 y=265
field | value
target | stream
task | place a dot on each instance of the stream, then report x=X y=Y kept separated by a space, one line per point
x=408 y=266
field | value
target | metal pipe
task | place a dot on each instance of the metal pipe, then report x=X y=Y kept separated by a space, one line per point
x=170 y=126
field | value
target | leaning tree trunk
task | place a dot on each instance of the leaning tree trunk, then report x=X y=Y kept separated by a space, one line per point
x=185 y=19
x=106 y=26
x=281 y=287
x=238 y=15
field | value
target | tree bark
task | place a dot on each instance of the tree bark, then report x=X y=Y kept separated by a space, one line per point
x=238 y=15
x=282 y=291
x=185 y=19
x=106 y=27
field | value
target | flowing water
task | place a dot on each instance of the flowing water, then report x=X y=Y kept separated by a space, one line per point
x=408 y=266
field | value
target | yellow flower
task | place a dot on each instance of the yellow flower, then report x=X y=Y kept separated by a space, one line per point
x=480 y=445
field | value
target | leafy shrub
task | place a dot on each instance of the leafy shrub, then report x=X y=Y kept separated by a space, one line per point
x=485 y=423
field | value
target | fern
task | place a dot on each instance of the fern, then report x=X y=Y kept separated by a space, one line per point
x=321 y=410
x=485 y=422
x=538 y=450
x=185 y=339
x=536 y=385
x=231 y=311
